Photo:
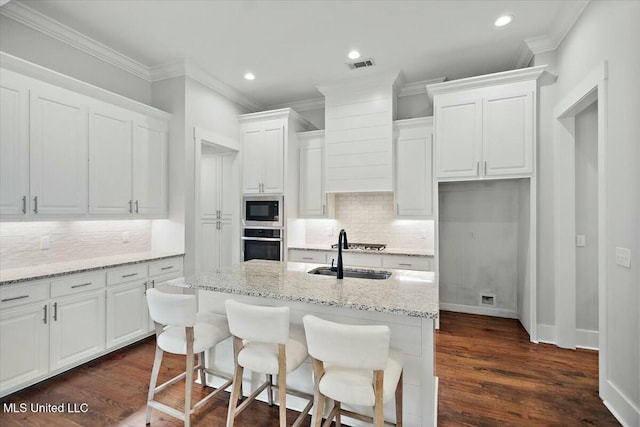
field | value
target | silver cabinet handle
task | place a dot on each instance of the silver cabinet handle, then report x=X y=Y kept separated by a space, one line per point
x=81 y=285
x=478 y=167
x=145 y=288
x=124 y=276
x=130 y=206
x=485 y=168
x=44 y=319
x=153 y=283
x=405 y=264
x=35 y=205
x=308 y=257
x=324 y=208
x=24 y=204
x=167 y=267
x=137 y=211
x=55 y=311
x=15 y=298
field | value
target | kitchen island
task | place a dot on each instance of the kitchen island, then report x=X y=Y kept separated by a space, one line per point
x=407 y=302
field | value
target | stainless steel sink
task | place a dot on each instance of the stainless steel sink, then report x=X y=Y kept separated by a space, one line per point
x=353 y=272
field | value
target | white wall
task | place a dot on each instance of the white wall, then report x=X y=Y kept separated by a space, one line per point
x=587 y=218
x=479 y=242
x=24 y=42
x=412 y=106
x=608 y=31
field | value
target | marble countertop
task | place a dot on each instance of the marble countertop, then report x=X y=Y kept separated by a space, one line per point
x=45 y=271
x=407 y=293
x=385 y=251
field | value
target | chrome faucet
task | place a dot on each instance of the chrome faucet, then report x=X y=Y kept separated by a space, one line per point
x=340 y=270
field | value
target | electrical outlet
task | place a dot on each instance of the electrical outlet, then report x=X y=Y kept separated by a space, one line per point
x=125 y=236
x=45 y=243
x=581 y=240
x=623 y=257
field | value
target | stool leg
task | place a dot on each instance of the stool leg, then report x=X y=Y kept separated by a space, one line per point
x=282 y=384
x=399 y=402
x=379 y=410
x=203 y=374
x=338 y=414
x=154 y=380
x=270 y=389
x=318 y=398
x=236 y=388
x=188 y=386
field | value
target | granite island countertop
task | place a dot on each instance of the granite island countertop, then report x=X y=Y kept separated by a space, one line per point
x=407 y=293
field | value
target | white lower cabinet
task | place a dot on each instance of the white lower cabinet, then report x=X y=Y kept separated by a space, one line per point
x=77 y=329
x=24 y=345
x=300 y=255
x=126 y=313
x=360 y=259
x=49 y=326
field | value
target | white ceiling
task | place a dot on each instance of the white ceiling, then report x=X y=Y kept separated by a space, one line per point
x=292 y=46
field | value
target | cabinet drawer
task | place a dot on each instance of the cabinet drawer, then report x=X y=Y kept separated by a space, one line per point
x=358 y=259
x=129 y=273
x=77 y=283
x=23 y=293
x=165 y=266
x=307 y=256
x=406 y=262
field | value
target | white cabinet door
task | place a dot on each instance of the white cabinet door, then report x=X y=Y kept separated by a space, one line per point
x=414 y=173
x=458 y=138
x=24 y=345
x=127 y=313
x=226 y=188
x=253 y=161
x=150 y=169
x=77 y=329
x=209 y=187
x=58 y=153
x=110 y=135
x=209 y=246
x=14 y=145
x=263 y=148
x=508 y=134
x=226 y=238
x=272 y=160
x=312 y=196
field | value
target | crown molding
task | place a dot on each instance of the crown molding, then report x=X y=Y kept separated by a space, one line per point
x=417 y=88
x=558 y=31
x=304 y=105
x=193 y=71
x=27 y=16
x=512 y=76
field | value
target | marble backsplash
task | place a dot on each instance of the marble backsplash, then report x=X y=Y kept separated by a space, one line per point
x=69 y=240
x=370 y=218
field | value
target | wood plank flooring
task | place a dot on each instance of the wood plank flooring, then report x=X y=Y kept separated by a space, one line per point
x=490 y=375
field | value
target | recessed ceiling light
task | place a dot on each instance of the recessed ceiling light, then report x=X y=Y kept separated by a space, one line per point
x=354 y=54
x=249 y=76
x=503 y=20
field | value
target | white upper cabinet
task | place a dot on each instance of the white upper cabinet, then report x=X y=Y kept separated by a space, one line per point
x=485 y=126
x=14 y=145
x=414 y=171
x=312 y=197
x=58 y=152
x=110 y=136
x=150 y=166
x=263 y=147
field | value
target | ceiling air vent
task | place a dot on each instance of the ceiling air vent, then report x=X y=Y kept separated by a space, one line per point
x=361 y=64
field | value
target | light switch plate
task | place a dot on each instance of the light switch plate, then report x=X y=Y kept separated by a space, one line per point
x=581 y=240
x=623 y=257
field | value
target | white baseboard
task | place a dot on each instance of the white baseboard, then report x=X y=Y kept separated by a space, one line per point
x=587 y=339
x=547 y=334
x=485 y=311
x=620 y=406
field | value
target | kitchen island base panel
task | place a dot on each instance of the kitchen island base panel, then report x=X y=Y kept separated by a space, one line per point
x=412 y=336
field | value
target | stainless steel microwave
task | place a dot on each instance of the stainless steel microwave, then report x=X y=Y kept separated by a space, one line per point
x=263 y=211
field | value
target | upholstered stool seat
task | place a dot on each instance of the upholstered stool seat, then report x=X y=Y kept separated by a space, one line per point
x=179 y=330
x=353 y=365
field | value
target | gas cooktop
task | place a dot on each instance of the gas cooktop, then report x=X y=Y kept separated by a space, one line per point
x=364 y=246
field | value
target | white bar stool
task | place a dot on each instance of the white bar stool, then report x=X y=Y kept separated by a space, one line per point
x=261 y=343
x=352 y=364
x=178 y=332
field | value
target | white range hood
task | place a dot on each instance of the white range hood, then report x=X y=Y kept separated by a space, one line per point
x=359 y=117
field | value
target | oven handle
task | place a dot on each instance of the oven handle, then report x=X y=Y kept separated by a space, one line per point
x=263 y=239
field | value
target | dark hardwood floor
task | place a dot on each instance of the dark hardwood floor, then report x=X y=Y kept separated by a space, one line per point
x=490 y=375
